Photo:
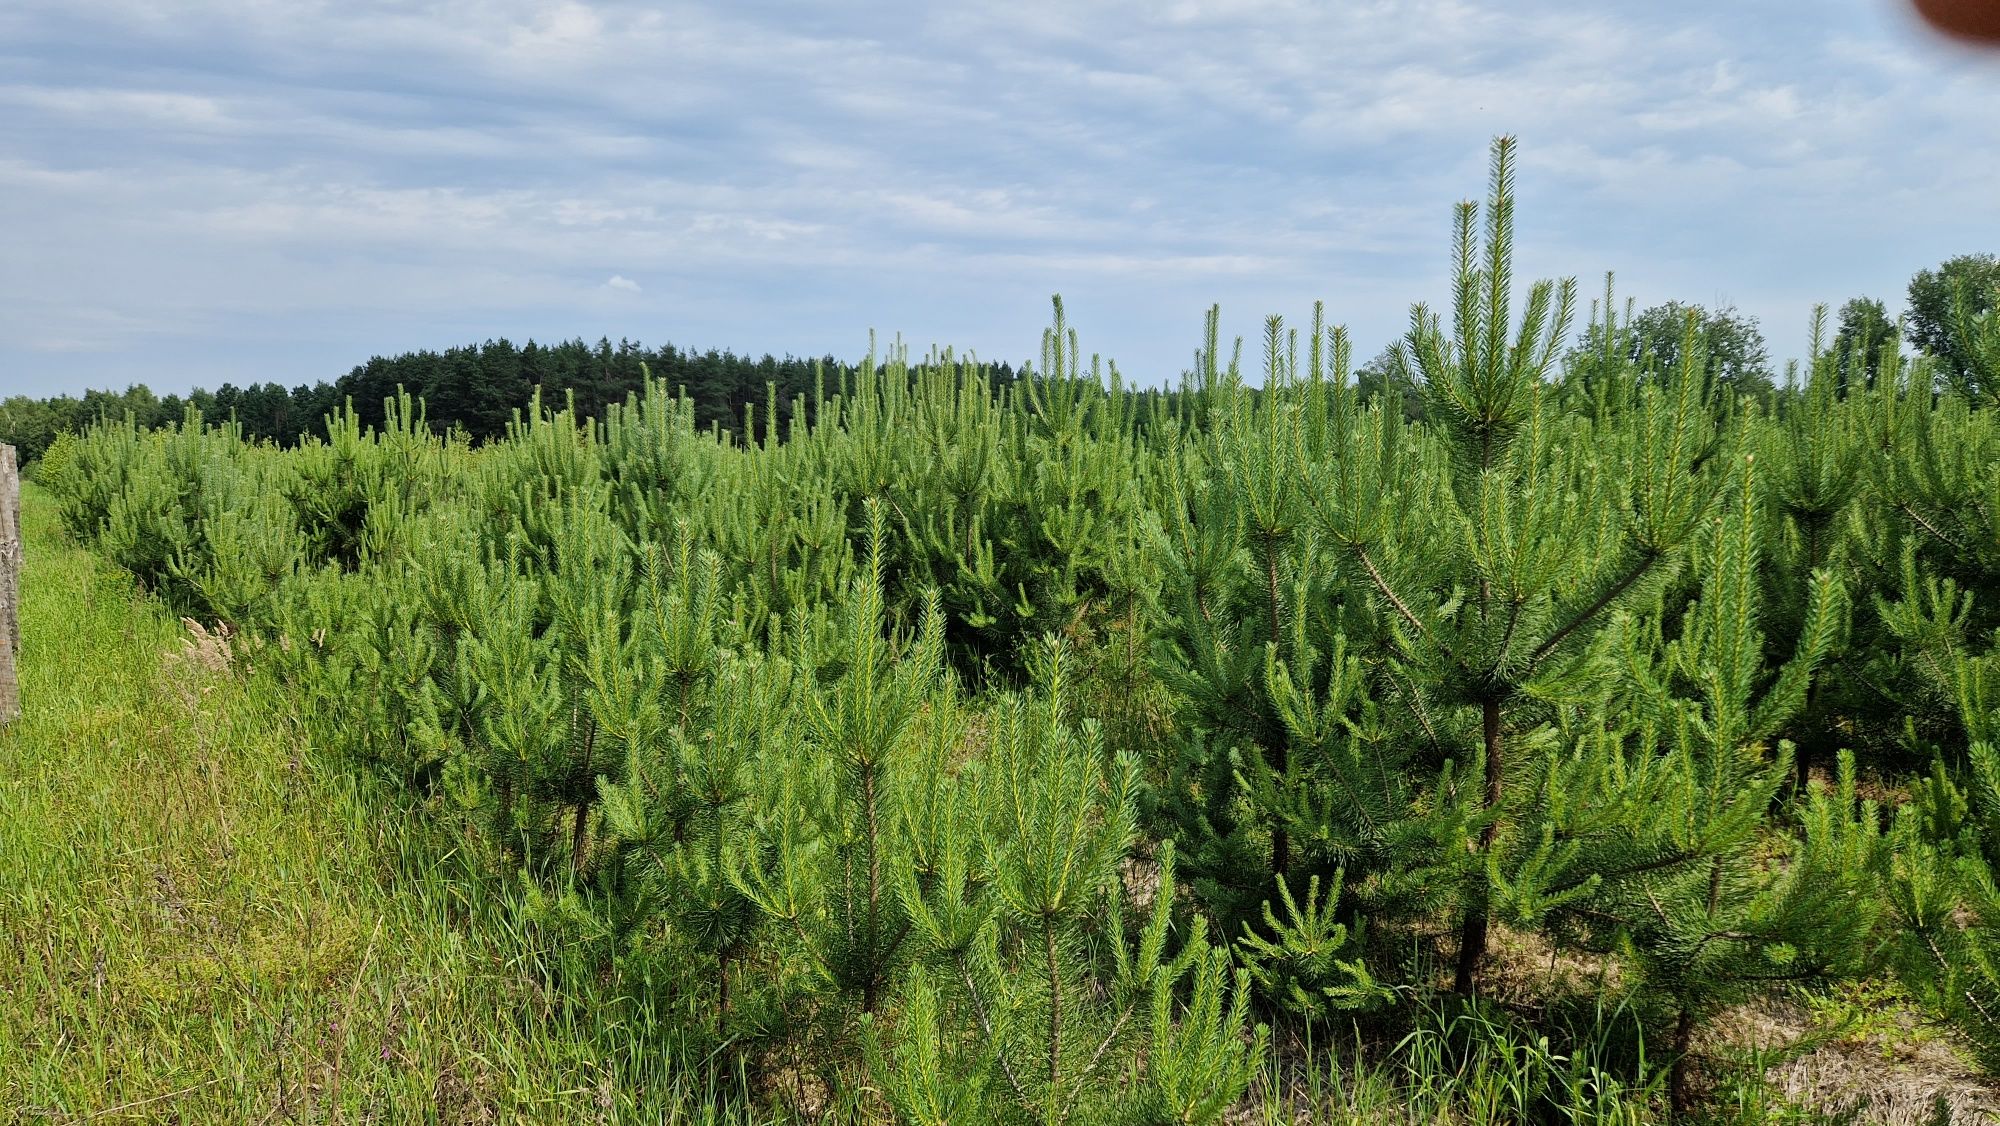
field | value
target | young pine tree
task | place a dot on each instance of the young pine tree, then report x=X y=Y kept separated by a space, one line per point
x=1495 y=565
x=1708 y=900
x=699 y=721
x=1810 y=470
x=830 y=824
x=1944 y=889
x=1241 y=577
x=1073 y=1019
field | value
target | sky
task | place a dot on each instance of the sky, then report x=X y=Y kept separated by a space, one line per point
x=211 y=191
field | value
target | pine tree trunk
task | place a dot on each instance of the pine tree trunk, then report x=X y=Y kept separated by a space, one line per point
x=1281 y=840
x=722 y=988
x=1679 y=1095
x=1472 y=935
x=1802 y=751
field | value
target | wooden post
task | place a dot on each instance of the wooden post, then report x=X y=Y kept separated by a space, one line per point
x=10 y=583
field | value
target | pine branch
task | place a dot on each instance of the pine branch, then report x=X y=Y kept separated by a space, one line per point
x=1416 y=702
x=1944 y=964
x=1097 y=1057
x=1514 y=607
x=1610 y=595
x=986 y=1026
x=1658 y=863
x=1382 y=584
x=1910 y=510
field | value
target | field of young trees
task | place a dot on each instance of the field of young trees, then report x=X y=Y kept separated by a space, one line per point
x=969 y=750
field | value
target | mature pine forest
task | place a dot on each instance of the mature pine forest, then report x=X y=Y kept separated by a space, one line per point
x=944 y=746
x=472 y=390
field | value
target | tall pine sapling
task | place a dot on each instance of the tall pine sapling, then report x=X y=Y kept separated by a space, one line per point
x=1704 y=910
x=1498 y=583
x=698 y=723
x=830 y=825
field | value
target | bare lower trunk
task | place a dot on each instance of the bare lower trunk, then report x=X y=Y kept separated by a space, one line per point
x=1472 y=934
x=505 y=817
x=722 y=987
x=1281 y=841
x=1679 y=1093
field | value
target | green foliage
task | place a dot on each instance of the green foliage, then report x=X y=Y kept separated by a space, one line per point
x=696 y=719
x=966 y=748
x=1702 y=912
x=1199 y=1063
x=1942 y=304
x=1736 y=357
x=33 y=426
x=1487 y=605
x=1864 y=331
x=831 y=879
x=1944 y=895
x=212 y=920
x=1309 y=963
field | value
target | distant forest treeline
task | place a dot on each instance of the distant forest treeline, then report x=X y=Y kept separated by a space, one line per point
x=1952 y=317
x=475 y=389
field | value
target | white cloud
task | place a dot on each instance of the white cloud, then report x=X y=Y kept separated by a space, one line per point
x=114 y=107
x=785 y=175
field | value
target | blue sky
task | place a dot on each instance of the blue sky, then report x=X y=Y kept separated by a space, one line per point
x=240 y=190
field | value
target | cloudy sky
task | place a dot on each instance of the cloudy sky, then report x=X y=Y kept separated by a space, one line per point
x=199 y=191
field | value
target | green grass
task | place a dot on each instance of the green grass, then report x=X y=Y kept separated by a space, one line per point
x=201 y=921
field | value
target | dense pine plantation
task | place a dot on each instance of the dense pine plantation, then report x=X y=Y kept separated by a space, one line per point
x=968 y=752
